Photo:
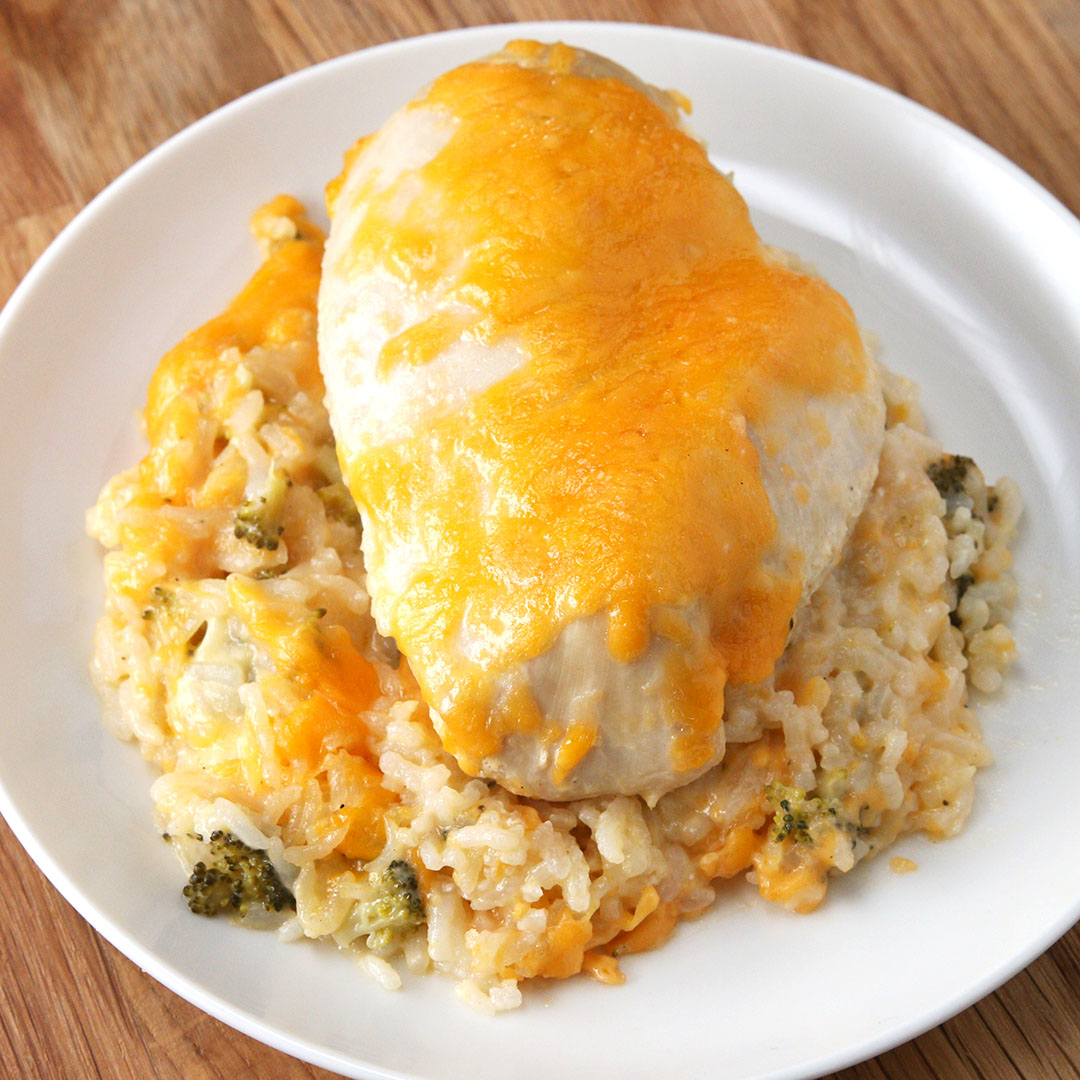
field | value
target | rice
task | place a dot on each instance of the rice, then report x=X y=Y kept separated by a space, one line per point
x=238 y=650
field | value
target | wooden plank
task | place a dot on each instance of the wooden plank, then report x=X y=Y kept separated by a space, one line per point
x=30 y=181
x=89 y=86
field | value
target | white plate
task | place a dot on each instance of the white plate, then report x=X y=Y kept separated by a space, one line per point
x=967 y=270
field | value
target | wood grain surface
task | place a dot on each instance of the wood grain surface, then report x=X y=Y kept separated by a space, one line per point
x=89 y=86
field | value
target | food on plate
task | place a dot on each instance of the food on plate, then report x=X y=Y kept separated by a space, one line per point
x=603 y=442
x=541 y=554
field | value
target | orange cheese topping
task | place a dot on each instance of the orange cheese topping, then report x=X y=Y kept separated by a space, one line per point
x=578 y=741
x=337 y=683
x=561 y=952
x=612 y=473
x=276 y=307
x=650 y=933
x=800 y=889
x=604 y=969
x=271 y=310
x=734 y=855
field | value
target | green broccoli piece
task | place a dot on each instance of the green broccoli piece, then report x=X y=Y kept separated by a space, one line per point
x=793 y=812
x=806 y=819
x=796 y=816
x=398 y=903
x=400 y=879
x=950 y=476
x=235 y=876
x=394 y=907
x=258 y=520
x=961 y=484
x=339 y=503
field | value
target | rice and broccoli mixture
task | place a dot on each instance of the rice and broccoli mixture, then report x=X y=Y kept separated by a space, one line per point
x=304 y=788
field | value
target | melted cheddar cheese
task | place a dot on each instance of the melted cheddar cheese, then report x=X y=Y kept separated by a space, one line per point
x=319 y=684
x=612 y=473
x=272 y=309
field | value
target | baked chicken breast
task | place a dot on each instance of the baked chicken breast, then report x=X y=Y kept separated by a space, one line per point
x=603 y=441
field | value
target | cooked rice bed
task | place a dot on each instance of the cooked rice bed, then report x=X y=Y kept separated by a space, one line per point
x=237 y=648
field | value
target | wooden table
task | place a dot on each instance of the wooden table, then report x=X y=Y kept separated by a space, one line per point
x=89 y=86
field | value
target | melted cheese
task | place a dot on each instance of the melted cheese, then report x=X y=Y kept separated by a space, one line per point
x=337 y=683
x=613 y=472
x=274 y=308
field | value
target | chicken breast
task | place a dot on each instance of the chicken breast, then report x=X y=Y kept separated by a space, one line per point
x=603 y=442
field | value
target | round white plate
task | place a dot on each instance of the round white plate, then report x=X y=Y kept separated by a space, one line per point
x=968 y=272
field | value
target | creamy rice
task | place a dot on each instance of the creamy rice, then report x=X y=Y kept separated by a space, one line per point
x=242 y=658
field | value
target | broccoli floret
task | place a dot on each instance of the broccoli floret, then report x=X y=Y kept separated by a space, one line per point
x=339 y=503
x=795 y=813
x=258 y=520
x=799 y=816
x=806 y=819
x=397 y=904
x=394 y=907
x=950 y=476
x=949 y=473
x=235 y=876
x=968 y=506
x=400 y=879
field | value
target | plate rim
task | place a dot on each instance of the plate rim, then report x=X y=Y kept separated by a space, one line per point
x=216 y=1005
